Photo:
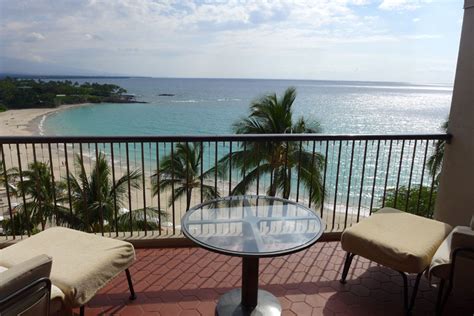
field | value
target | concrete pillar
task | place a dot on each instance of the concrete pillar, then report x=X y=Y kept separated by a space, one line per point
x=455 y=201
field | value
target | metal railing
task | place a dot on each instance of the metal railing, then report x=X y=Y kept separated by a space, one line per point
x=142 y=186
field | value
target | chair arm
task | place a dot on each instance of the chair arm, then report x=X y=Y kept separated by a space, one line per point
x=36 y=286
x=464 y=252
x=462 y=237
x=21 y=275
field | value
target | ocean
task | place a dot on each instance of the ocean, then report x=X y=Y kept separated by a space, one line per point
x=211 y=106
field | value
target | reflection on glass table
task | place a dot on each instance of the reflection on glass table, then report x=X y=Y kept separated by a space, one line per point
x=251 y=227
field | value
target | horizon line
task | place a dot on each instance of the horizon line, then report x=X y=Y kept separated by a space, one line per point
x=57 y=76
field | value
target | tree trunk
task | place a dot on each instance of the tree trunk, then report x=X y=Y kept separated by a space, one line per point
x=287 y=190
x=272 y=191
x=188 y=199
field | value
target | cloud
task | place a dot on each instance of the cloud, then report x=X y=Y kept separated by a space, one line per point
x=280 y=38
x=401 y=5
x=422 y=36
x=34 y=37
x=95 y=37
x=35 y=58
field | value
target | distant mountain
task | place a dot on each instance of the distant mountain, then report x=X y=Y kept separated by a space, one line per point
x=61 y=77
x=27 y=68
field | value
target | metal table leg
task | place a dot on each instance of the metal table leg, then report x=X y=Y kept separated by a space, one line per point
x=249 y=300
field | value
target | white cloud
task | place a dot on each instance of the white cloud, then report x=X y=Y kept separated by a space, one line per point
x=208 y=38
x=416 y=20
x=422 y=36
x=402 y=4
x=95 y=37
x=34 y=36
x=33 y=57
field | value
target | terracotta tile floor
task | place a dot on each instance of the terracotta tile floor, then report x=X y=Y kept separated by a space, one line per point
x=189 y=281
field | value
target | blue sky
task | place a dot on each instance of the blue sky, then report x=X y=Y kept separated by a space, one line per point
x=386 y=40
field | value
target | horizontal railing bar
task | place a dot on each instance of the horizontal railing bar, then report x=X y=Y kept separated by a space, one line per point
x=210 y=138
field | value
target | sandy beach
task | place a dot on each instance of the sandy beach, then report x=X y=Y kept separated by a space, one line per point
x=26 y=122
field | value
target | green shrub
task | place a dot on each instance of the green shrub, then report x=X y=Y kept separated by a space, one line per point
x=420 y=201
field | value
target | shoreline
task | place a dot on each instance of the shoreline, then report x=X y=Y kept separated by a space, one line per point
x=26 y=122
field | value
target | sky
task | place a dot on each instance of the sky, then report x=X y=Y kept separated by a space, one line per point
x=368 y=40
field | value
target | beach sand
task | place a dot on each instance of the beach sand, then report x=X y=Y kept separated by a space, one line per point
x=26 y=122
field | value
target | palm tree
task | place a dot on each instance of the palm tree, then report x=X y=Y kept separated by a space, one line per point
x=42 y=195
x=15 y=225
x=436 y=159
x=151 y=222
x=93 y=195
x=279 y=159
x=7 y=177
x=181 y=171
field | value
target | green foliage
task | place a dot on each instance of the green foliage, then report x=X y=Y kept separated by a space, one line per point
x=420 y=201
x=153 y=217
x=3 y=108
x=280 y=160
x=19 y=225
x=435 y=161
x=28 y=93
x=95 y=199
x=7 y=177
x=182 y=171
x=94 y=195
x=38 y=185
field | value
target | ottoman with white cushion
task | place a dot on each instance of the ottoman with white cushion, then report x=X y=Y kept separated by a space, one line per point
x=395 y=239
x=82 y=263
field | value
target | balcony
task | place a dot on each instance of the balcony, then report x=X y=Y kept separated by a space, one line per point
x=358 y=175
x=188 y=281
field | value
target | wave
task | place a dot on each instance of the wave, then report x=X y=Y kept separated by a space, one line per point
x=185 y=101
x=228 y=99
x=41 y=125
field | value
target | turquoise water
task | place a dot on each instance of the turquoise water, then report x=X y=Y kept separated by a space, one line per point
x=210 y=106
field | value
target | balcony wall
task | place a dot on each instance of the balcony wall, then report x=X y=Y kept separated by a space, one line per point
x=454 y=204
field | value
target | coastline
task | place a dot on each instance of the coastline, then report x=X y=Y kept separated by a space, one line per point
x=26 y=122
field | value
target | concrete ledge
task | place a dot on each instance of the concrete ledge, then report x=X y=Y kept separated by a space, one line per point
x=161 y=241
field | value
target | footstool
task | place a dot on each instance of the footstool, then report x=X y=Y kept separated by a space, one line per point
x=82 y=263
x=398 y=240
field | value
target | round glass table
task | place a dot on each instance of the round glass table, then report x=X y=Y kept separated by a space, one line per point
x=251 y=227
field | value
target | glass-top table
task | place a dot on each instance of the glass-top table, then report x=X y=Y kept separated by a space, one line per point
x=251 y=227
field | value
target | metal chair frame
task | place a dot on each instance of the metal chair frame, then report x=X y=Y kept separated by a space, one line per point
x=35 y=287
x=408 y=305
x=443 y=297
x=132 y=296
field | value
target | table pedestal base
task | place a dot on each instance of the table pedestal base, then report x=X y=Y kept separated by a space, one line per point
x=229 y=304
